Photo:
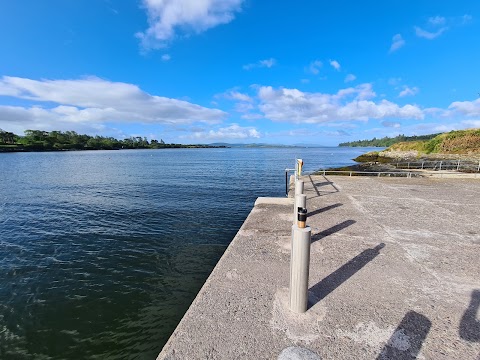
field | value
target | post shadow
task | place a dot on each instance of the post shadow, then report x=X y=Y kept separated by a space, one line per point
x=407 y=339
x=326 y=208
x=332 y=230
x=342 y=274
x=469 y=324
x=327 y=182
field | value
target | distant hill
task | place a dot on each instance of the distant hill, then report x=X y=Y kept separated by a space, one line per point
x=254 y=145
x=386 y=141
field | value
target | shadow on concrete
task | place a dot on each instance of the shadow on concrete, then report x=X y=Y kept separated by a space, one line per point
x=407 y=339
x=321 y=210
x=342 y=274
x=326 y=182
x=332 y=230
x=469 y=324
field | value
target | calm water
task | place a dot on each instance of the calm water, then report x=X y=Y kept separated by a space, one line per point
x=101 y=252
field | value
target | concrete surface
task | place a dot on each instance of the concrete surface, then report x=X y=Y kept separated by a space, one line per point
x=394 y=275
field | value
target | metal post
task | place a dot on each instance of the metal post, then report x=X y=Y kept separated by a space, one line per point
x=458 y=165
x=478 y=167
x=286 y=182
x=422 y=164
x=440 y=169
x=300 y=264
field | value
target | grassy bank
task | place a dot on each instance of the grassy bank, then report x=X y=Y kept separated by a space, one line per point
x=461 y=144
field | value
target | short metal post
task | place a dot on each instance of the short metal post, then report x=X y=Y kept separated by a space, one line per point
x=300 y=264
x=458 y=165
x=350 y=174
x=422 y=164
x=286 y=182
x=478 y=167
x=440 y=168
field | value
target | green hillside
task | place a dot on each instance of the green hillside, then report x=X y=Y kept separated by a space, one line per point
x=453 y=142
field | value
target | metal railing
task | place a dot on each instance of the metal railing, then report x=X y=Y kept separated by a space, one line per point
x=407 y=174
x=457 y=165
x=286 y=179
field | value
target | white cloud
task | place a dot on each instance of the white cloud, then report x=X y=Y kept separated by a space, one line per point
x=244 y=107
x=168 y=17
x=437 y=20
x=335 y=64
x=428 y=34
x=252 y=116
x=232 y=132
x=468 y=108
x=391 y=124
x=397 y=42
x=314 y=67
x=471 y=123
x=236 y=95
x=292 y=105
x=166 y=57
x=466 y=18
x=268 y=63
x=93 y=101
x=409 y=91
x=350 y=77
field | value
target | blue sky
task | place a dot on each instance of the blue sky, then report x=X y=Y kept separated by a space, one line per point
x=203 y=71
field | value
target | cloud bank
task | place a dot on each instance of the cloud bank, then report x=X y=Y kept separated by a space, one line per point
x=354 y=103
x=93 y=101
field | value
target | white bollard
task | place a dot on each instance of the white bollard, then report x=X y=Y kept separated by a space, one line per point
x=299 y=267
x=299 y=187
x=300 y=202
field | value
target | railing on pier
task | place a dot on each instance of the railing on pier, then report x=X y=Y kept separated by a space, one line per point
x=458 y=165
x=401 y=173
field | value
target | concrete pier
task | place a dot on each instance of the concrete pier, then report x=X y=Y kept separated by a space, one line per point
x=394 y=274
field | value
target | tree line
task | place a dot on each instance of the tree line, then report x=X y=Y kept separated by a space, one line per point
x=38 y=140
x=386 y=141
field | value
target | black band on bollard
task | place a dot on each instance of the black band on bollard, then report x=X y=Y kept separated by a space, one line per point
x=302 y=214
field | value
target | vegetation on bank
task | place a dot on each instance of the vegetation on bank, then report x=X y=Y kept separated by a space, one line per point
x=37 y=140
x=459 y=142
x=386 y=141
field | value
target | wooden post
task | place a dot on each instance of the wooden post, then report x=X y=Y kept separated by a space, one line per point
x=300 y=264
